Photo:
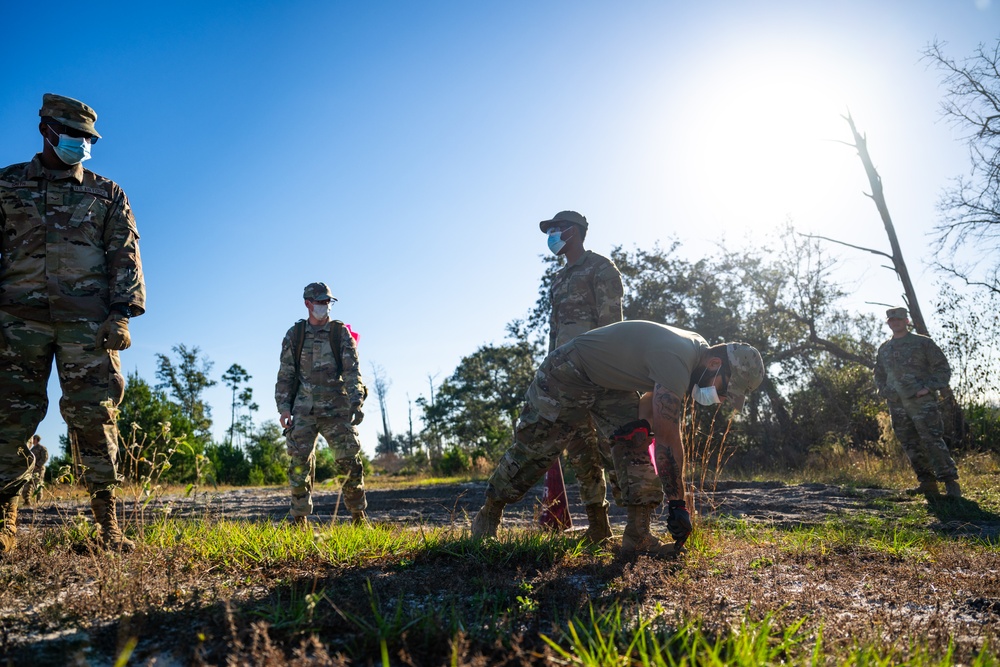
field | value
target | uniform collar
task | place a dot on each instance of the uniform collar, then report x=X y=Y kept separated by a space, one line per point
x=580 y=260
x=37 y=170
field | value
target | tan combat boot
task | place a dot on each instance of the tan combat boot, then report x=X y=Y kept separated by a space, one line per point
x=599 y=526
x=8 y=524
x=104 y=505
x=359 y=518
x=638 y=540
x=952 y=489
x=927 y=487
x=487 y=520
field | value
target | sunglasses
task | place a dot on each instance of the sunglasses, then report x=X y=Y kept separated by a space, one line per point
x=59 y=128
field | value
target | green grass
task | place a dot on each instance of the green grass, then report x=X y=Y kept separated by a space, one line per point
x=896 y=582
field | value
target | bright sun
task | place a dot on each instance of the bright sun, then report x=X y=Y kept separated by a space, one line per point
x=765 y=138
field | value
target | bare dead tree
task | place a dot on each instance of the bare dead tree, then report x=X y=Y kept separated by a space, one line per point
x=382 y=384
x=971 y=206
x=955 y=416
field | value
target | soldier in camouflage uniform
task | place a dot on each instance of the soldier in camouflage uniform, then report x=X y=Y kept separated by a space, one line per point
x=315 y=397
x=33 y=489
x=909 y=369
x=70 y=279
x=585 y=294
x=598 y=376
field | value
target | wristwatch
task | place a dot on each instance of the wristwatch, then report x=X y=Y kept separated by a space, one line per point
x=123 y=309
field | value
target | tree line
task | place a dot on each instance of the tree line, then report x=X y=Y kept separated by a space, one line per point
x=779 y=295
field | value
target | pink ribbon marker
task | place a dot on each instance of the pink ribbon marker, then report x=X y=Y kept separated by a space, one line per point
x=652 y=457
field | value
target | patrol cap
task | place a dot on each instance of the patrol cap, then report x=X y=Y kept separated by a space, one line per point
x=898 y=311
x=563 y=216
x=746 y=372
x=69 y=112
x=317 y=292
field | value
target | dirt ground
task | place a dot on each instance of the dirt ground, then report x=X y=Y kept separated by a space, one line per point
x=214 y=616
x=773 y=503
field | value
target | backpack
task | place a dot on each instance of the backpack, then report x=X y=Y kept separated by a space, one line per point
x=299 y=340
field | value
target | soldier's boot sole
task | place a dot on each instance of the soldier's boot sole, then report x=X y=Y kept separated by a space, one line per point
x=925 y=488
x=647 y=545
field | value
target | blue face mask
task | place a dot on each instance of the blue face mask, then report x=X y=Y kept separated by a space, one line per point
x=71 y=150
x=556 y=244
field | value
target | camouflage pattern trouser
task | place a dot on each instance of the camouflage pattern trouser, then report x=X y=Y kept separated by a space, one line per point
x=336 y=428
x=560 y=400
x=34 y=485
x=92 y=387
x=583 y=456
x=919 y=428
x=630 y=452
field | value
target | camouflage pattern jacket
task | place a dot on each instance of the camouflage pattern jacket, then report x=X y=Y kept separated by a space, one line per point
x=320 y=387
x=69 y=247
x=584 y=295
x=907 y=364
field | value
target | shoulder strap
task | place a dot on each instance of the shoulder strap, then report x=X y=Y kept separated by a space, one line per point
x=336 y=344
x=298 y=340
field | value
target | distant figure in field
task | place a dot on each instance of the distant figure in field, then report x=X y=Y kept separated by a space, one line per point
x=585 y=294
x=319 y=390
x=598 y=376
x=909 y=370
x=70 y=279
x=33 y=489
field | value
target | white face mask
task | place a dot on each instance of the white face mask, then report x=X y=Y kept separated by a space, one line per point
x=320 y=310
x=706 y=395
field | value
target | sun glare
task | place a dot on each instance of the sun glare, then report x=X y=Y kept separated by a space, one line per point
x=764 y=138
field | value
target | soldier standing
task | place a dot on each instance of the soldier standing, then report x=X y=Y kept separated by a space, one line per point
x=598 y=376
x=70 y=279
x=909 y=369
x=35 y=485
x=585 y=294
x=319 y=391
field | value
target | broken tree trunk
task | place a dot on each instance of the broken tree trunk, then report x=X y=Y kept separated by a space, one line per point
x=955 y=426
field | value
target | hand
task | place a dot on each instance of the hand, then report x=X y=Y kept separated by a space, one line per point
x=678 y=521
x=356 y=415
x=285 y=420
x=113 y=333
x=923 y=392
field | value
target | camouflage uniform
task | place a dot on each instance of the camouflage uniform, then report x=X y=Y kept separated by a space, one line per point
x=559 y=399
x=585 y=295
x=37 y=481
x=565 y=393
x=903 y=367
x=321 y=405
x=69 y=251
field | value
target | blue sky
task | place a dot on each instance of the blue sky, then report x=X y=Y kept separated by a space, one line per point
x=404 y=152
